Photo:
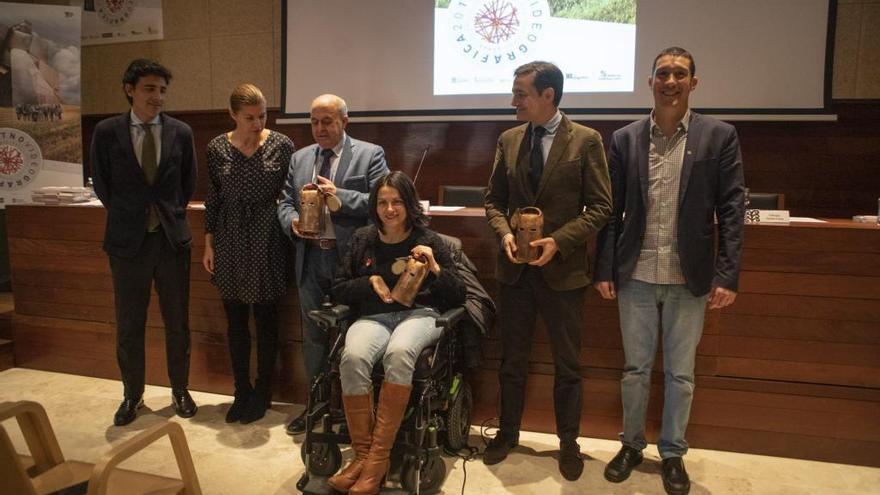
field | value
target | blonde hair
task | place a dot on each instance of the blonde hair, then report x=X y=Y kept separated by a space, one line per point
x=245 y=94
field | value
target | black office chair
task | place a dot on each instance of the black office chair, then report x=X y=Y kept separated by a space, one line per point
x=462 y=195
x=766 y=201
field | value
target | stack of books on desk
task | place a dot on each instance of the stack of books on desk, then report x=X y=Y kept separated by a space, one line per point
x=61 y=195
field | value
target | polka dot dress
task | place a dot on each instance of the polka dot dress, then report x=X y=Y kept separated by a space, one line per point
x=241 y=212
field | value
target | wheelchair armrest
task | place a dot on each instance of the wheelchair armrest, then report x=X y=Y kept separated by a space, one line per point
x=329 y=316
x=451 y=317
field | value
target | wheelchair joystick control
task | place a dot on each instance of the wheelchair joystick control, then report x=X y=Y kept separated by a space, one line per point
x=326 y=304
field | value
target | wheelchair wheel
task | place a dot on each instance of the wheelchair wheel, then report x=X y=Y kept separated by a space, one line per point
x=431 y=476
x=458 y=418
x=324 y=459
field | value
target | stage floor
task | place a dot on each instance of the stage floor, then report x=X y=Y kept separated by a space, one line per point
x=261 y=459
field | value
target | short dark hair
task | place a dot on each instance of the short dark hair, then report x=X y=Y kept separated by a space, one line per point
x=675 y=51
x=141 y=67
x=415 y=215
x=547 y=75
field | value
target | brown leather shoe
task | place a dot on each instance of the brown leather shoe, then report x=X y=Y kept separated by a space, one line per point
x=392 y=404
x=359 y=416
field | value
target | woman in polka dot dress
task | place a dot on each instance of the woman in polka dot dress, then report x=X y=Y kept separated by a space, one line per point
x=244 y=245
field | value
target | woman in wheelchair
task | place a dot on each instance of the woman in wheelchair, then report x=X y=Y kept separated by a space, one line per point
x=387 y=329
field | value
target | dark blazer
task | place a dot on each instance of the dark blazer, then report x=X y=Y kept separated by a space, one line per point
x=361 y=165
x=120 y=184
x=711 y=185
x=574 y=195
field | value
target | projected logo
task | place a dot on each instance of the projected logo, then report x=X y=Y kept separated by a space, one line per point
x=496 y=32
x=20 y=159
x=114 y=12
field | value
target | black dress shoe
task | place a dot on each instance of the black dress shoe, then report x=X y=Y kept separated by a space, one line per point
x=571 y=464
x=675 y=478
x=622 y=465
x=183 y=404
x=127 y=411
x=498 y=449
x=298 y=425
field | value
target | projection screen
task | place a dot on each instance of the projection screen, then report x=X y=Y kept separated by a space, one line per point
x=454 y=59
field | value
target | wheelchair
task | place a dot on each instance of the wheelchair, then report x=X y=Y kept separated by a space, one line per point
x=438 y=414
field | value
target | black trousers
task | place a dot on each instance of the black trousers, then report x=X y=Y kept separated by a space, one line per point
x=562 y=312
x=155 y=263
x=266 y=318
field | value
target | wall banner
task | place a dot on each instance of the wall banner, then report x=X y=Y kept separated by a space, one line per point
x=40 y=128
x=120 y=21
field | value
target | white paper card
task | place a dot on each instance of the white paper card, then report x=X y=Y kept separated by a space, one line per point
x=774 y=216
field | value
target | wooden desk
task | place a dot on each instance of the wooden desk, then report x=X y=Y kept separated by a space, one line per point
x=791 y=369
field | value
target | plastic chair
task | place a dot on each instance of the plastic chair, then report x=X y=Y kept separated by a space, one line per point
x=471 y=196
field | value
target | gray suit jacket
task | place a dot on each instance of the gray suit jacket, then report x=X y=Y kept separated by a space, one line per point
x=361 y=165
x=711 y=185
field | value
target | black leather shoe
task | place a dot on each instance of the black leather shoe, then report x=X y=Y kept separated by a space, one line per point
x=623 y=463
x=675 y=478
x=127 y=411
x=298 y=425
x=183 y=404
x=498 y=449
x=571 y=464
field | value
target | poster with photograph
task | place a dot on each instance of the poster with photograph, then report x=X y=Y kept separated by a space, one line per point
x=40 y=129
x=120 y=21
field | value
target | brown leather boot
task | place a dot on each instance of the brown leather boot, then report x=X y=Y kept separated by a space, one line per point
x=392 y=404
x=359 y=415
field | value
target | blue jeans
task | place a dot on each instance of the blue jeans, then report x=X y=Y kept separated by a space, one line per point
x=398 y=338
x=644 y=308
x=319 y=267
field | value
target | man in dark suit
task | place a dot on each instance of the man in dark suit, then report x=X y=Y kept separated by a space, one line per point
x=558 y=166
x=672 y=174
x=347 y=168
x=144 y=170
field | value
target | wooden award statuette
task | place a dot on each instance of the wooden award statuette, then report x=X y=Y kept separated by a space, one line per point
x=312 y=201
x=528 y=226
x=410 y=280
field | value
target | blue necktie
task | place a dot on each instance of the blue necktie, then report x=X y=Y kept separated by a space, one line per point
x=325 y=166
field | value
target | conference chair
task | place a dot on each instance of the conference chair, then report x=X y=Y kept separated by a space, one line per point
x=766 y=201
x=46 y=470
x=461 y=195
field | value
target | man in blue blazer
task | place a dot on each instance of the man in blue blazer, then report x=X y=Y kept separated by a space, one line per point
x=343 y=166
x=144 y=169
x=673 y=174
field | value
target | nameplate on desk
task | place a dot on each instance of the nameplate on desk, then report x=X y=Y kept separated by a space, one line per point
x=774 y=216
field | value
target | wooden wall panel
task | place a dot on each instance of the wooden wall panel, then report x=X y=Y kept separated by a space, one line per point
x=795 y=360
x=825 y=169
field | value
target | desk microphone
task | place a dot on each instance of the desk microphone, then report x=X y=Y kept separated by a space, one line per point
x=421 y=162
